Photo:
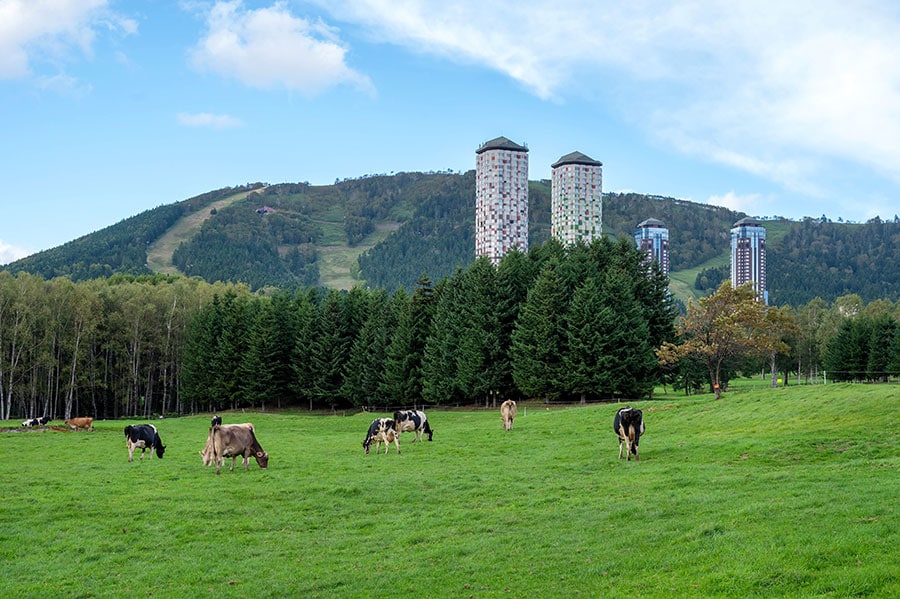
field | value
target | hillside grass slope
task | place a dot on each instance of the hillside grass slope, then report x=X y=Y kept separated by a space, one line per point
x=159 y=252
x=765 y=493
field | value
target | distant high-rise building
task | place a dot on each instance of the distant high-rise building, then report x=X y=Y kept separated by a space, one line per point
x=501 y=198
x=576 y=210
x=748 y=256
x=652 y=237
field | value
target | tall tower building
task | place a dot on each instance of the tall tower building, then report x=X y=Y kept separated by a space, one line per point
x=652 y=237
x=576 y=210
x=501 y=198
x=748 y=256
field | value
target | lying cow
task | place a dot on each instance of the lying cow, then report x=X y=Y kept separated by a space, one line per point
x=629 y=426
x=382 y=430
x=507 y=414
x=37 y=421
x=143 y=437
x=413 y=420
x=77 y=423
x=215 y=420
x=233 y=440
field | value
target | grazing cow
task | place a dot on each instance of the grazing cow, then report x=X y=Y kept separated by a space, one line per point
x=208 y=452
x=413 y=420
x=508 y=414
x=216 y=420
x=42 y=421
x=233 y=440
x=77 y=423
x=629 y=426
x=382 y=430
x=143 y=437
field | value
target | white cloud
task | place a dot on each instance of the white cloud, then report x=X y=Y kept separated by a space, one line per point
x=205 y=119
x=777 y=89
x=65 y=85
x=751 y=204
x=10 y=253
x=51 y=30
x=269 y=47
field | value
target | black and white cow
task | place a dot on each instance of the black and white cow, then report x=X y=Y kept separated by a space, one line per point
x=382 y=431
x=42 y=421
x=215 y=420
x=413 y=420
x=629 y=426
x=143 y=437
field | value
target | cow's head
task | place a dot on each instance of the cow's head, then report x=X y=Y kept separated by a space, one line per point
x=160 y=450
x=262 y=458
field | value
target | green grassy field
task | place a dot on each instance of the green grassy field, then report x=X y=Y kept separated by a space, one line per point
x=765 y=493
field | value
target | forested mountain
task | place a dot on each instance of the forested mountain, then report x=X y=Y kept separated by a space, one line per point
x=120 y=248
x=274 y=236
x=828 y=260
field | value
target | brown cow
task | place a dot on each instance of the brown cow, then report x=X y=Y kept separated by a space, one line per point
x=77 y=423
x=233 y=440
x=208 y=451
x=507 y=414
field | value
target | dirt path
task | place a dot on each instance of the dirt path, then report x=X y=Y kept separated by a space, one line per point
x=159 y=254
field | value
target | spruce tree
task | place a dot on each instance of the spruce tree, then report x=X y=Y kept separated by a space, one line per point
x=364 y=369
x=539 y=340
x=330 y=346
x=403 y=364
x=885 y=331
x=480 y=358
x=305 y=317
x=440 y=383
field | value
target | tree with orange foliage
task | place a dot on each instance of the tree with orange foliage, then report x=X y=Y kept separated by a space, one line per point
x=730 y=323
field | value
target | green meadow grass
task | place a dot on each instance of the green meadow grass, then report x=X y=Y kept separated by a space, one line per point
x=765 y=493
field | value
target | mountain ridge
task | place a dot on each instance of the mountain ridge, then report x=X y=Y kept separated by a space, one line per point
x=387 y=230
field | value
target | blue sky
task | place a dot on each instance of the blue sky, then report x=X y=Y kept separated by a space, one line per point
x=112 y=107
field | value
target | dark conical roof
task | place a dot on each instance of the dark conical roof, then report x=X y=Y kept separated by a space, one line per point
x=576 y=158
x=500 y=143
x=748 y=222
x=652 y=222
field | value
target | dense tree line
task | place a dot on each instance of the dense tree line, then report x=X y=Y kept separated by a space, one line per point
x=107 y=347
x=129 y=346
x=709 y=279
x=560 y=324
x=553 y=323
x=865 y=348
